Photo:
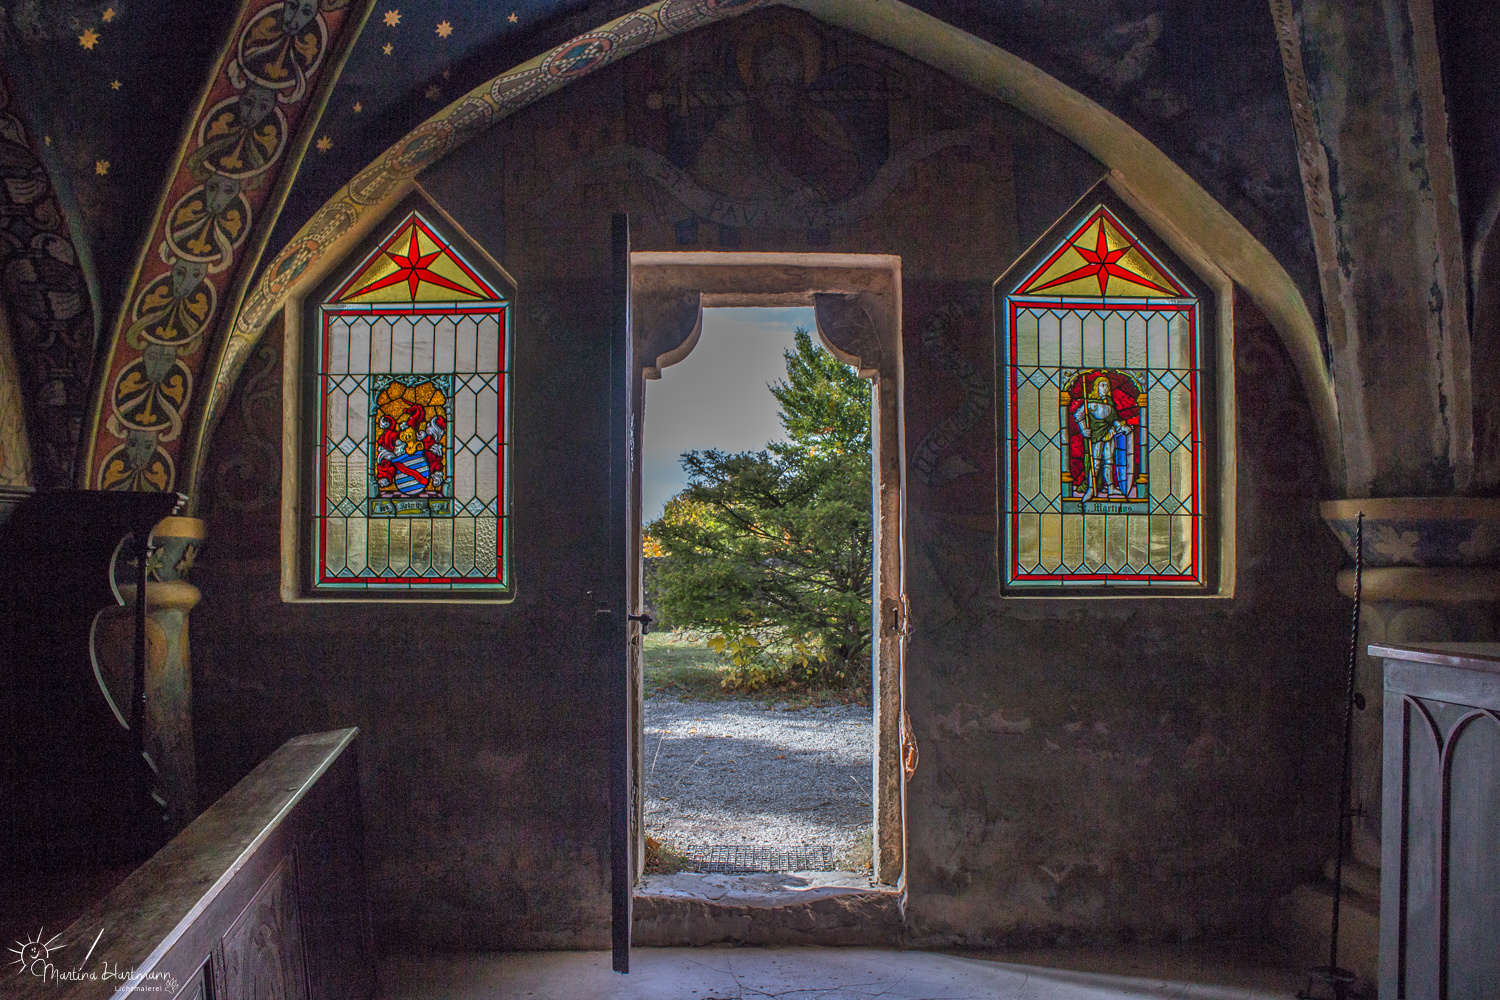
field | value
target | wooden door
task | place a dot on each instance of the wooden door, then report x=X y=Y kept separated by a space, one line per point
x=614 y=616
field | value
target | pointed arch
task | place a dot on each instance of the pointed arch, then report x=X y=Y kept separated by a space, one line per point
x=1164 y=188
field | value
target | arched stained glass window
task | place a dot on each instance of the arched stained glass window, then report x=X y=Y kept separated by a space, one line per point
x=411 y=426
x=1103 y=368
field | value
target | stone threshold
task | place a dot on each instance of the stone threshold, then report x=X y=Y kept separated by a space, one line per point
x=791 y=908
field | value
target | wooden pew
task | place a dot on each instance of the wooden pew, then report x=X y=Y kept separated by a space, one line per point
x=262 y=895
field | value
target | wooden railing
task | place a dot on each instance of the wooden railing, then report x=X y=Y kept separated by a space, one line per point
x=263 y=895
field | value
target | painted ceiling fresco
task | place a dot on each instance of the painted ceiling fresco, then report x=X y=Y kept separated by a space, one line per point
x=111 y=83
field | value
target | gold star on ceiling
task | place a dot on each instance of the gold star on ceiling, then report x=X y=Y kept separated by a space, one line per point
x=89 y=38
x=114 y=85
x=47 y=140
x=512 y=19
x=101 y=167
x=108 y=15
x=325 y=144
x=387 y=48
x=392 y=18
x=358 y=107
x=444 y=29
x=433 y=91
x=447 y=72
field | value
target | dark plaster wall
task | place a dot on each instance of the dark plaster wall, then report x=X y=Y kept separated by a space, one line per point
x=1095 y=769
x=483 y=762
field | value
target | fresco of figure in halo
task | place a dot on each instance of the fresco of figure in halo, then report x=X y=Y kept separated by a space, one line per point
x=1107 y=439
x=792 y=134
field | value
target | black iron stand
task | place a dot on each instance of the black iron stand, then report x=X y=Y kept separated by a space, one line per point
x=1336 y=980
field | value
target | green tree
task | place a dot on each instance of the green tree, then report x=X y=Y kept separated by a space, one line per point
x=770 y=551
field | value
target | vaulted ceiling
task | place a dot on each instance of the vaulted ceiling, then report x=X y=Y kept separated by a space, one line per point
x=101 y=93
x=105 y=88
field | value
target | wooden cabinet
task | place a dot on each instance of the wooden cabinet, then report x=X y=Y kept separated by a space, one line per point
x=1440 y=835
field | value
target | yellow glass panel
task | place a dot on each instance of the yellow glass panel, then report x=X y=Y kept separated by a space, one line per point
x=338 y=485
x=1051 y=479
x=1161 y=542
x=1182 y=474
x=1182 y=412
x=1182 y=543
x=1051 y=541
x=463 y=545
x=358 y=485
x=1028 y=419
x=1050 y=417
x=1072 y=525
x=1028 y=478
x=1071 y=325
x=1180 y=341
x=1093 y=541
x=442 y=546
x=338 y=415
x=1049 y=337
x=1093 y=339
x=400 y=557
x=486 y=541
x=1161 y=473
x=1156 y=342
x=1135 y=340
x=1140 y=542
x=359 y=530
x=1116 y=550
x=1114 y=339
x=1027 y=541
x=421 y=546
x=333 y=544
x=380 y=545
x=1158 y=400
x=1026 y=338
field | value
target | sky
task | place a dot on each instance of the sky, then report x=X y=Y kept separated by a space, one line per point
x=716 y=397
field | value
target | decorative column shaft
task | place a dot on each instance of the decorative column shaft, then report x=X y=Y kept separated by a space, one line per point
x=168 y=736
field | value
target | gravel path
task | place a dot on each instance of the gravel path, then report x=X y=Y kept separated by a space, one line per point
x=733 y=772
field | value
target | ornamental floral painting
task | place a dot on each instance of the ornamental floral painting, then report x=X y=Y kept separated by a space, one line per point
x=412 y=426
x=1103 y=370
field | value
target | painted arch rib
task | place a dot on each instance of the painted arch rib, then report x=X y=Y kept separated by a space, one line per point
x=1148 y=171
x=249 y=129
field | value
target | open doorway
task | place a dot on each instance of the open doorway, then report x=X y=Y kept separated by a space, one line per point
x=855 y=302
x=758 y=513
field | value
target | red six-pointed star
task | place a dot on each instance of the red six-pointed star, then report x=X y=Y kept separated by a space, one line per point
x=1102 y=263
x=413 y=269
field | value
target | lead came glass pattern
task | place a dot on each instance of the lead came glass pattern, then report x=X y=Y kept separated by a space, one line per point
x=413 y=435
x=1104 y=446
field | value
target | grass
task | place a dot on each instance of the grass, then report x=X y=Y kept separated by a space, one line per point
x=681 y=665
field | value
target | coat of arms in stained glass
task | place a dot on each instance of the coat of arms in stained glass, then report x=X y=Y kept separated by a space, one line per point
x=414 y=371
x=1101 y=368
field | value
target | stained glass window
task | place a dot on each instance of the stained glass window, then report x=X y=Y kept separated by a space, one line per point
x=413 y=443
x=1102 y=364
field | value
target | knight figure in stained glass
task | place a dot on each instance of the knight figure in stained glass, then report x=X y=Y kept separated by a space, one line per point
x=1103 y=423
x=1106 y=489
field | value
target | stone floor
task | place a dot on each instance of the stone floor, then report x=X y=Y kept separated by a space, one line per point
x=1202 y=973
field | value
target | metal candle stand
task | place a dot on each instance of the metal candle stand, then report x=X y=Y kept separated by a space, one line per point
x=1339 y=981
